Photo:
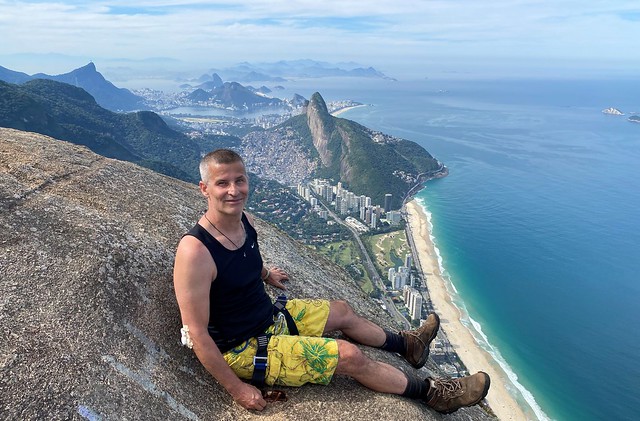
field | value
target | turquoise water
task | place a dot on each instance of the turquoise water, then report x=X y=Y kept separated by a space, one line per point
x=537 y=224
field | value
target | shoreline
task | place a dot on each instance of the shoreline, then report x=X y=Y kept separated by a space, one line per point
x=474 y=357
x=345 y=109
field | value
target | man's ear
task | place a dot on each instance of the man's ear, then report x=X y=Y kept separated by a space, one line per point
x=203 y=189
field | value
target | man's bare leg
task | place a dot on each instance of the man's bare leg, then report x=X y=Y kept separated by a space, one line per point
x=385 y=378
x=374 y=375
x=343 y=318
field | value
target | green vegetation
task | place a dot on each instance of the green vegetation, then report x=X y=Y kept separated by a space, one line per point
x=387 y=250
x=346 y=254
x=300 y=129
x=372 y=165
x=363 y=165
x=277 y=204
x=69 y=113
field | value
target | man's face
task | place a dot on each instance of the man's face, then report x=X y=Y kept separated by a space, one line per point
x=227 y=189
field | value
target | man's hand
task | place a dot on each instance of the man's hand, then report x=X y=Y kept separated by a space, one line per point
x=249 y=397
x=276 y=278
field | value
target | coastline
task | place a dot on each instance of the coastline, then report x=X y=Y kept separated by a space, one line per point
x=345 y=109
x=503 y=404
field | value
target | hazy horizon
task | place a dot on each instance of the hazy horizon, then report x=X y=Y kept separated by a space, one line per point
x=404 y=40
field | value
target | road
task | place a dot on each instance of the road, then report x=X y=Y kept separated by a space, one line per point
x=371 y=270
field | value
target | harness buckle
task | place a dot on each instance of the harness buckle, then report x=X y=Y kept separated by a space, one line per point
x=260 y=362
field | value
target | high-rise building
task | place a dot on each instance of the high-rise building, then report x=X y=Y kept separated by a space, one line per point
x=344 y=207
x=408 y=260
x=413 y=301
x=416 y=306
x=391 y=276
x=402 y=278
x=394 y=217
x=387 y=202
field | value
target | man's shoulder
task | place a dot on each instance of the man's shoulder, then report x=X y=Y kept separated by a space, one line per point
x=191 y=247
x=250 y=218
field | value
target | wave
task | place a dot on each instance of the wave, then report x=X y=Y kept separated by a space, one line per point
x=482 y=340
x=476 y=331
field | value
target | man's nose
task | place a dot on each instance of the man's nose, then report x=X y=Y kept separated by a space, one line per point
x=232 y=189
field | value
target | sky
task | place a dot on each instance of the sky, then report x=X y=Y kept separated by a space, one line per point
x=402 y=38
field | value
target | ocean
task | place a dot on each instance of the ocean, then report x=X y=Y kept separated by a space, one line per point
x=537 y=224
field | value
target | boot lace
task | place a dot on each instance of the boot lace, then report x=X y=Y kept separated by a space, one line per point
x=448 y=388
x=414 y=334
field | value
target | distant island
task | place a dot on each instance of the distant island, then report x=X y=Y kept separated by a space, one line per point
x=612 y=111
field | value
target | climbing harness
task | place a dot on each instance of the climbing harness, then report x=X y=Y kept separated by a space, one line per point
x=260 y=359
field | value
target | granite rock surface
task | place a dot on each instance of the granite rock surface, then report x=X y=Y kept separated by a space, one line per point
x=90 y=324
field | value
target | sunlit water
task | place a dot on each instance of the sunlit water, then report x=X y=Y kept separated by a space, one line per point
x=537 y=224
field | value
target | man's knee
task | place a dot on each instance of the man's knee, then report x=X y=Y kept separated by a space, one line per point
x=351 y=359
x=342 y=309
x=341 y=316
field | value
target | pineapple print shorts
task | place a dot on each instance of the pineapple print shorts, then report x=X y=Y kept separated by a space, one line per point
x=292 y=360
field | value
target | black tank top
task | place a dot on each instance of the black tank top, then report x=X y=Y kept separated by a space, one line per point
x=239 y=307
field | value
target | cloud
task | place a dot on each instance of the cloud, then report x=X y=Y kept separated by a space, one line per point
x=380 y=33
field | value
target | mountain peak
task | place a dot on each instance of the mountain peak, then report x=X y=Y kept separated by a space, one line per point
x=89 y=67
x=318 y=105
x=321 y=124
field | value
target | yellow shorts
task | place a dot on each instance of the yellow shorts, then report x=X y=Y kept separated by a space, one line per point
x=293 y=360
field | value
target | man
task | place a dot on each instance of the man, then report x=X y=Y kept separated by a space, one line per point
x=225 y=310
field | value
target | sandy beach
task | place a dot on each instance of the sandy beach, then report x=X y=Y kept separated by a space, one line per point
x=342 y=110
x=471 y=354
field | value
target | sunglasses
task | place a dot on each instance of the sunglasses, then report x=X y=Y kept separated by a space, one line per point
x=274 y=396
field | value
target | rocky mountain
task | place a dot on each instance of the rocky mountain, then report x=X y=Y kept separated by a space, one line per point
x=316 y=144
x=69 y=113
x=89 y=317
x=235 y=96
x=280 y=70
x=11 y=76
x=88 y=78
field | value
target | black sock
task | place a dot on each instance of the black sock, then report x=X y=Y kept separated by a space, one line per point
x=416 y=388
x=394 y=342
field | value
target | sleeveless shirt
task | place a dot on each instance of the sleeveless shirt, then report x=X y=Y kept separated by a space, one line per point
x=239 y=306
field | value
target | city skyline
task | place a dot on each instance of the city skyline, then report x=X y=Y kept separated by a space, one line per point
x=414 y=39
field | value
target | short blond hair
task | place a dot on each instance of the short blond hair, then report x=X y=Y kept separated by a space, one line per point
x=219 y=156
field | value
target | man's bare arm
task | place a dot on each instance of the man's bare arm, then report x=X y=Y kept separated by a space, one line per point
x=273 y=276
x=192 y=275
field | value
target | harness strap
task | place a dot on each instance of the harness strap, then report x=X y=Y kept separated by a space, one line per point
x=280 y=307
x=260 y=359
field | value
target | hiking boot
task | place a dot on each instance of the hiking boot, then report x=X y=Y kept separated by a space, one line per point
x=417 y=341
x=449 y=395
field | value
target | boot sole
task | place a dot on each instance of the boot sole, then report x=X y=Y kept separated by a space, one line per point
x=425 y=354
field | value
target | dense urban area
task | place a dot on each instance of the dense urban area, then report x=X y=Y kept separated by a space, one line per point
x=369 y=240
